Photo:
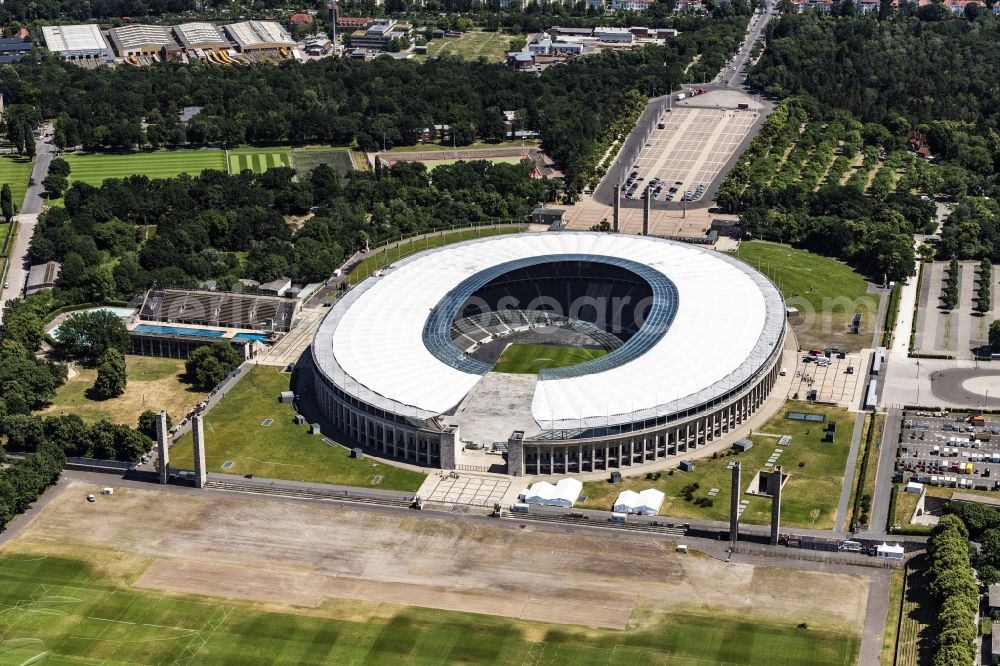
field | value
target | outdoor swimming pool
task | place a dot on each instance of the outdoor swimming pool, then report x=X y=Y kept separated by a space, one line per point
x=176 y=330
x=259 y=337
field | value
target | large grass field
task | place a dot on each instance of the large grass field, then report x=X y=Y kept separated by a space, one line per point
x=404 y=248
x=809 y=498
x=153 y=383
x=94 y=169
x=15 y=172
x=527 y=359
x=58 y=610
x=492 y=46
x=306 y=159
x=283 y=449
x=826 y=292
x=258 y=160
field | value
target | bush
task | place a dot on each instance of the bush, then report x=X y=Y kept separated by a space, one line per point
x=208 y=366
x=111 y=375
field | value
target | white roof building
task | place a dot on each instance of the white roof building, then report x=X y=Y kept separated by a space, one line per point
x=894 y=552
x=200 y=36
x=647 y=502
x=726 y=319
x=251 y=35
x=565 y=493
x=76 y=41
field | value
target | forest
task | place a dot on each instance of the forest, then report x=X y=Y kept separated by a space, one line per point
x=115 y=240
x=921 y=71
x=384 y=102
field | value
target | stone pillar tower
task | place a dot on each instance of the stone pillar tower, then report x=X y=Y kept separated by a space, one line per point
x=618 y=204
x=734 y=504
x=515 y=454
x=198 y=435
x=163 y=447
x=451 y=448
x=645 y=212
x=774 y=485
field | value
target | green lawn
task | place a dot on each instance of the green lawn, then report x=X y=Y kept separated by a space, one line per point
x=153 y=383
x=258 y=160
x=526 y=359
x=306 y=159
x=826 y=292
x=809 y=499
x=15 y=171
x=375 y=260
x=471 y=45
x=95 y=168
x=433 y=164
x=283 y=449
x=63 y=611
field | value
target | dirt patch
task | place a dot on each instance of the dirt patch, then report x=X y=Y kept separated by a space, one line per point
x=278 y=552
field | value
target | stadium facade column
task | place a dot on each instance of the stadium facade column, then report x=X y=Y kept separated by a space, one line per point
x=647 y=203
x=515 y=454
x=734 y=504
x=451 y=450
x=198 y=436
x=162 y=447
x=774 y=485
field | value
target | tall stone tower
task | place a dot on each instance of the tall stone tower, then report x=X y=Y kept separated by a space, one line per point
x=163 y=447
x=198 y=435
x=645 y=211
x=774 y=485
x=734 y=504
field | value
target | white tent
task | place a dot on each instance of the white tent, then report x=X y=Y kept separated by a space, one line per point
x=890 y=552
x=564 y=494
x=647 y=502
x=627 y=501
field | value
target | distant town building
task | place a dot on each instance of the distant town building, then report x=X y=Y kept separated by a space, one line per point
x=613 y=35
x=42 y=276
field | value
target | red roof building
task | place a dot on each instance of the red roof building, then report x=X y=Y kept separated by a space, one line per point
x=301 y=19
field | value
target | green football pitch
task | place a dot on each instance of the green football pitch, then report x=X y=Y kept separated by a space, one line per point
x=63 y=611
x=529 y=359
x=15 y=172
x=94 y=169
x=258 y=160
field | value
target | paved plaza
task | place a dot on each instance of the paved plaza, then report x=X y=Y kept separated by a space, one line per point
x=464 y=488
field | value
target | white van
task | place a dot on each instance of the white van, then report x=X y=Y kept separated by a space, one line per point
x=618 y=517
x=783 y=372
x=520 y=507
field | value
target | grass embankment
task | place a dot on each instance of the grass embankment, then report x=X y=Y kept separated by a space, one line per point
x=409 y=246
x=809 y=499
x=281 y=450
x=15 y=172
x=153 y=383
x=62 y=611
x=529 y=359
x=863 y=483
x=826 y=292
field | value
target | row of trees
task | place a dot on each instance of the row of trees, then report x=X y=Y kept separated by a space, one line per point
x=949 y=288
x=104 y=440
x=23 y=481
x=952 y=584
x=984 y=301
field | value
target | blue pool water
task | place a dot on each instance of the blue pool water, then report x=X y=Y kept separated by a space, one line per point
x=175 y=330
x=259 y=337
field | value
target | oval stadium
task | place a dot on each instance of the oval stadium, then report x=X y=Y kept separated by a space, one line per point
x=549 y=353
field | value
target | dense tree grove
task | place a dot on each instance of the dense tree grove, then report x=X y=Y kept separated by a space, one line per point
x=952 y=584
x=23 y=481
x=919 y=70
x=89 y=336
x=340 y=100
x=225 y=227
x=103 y=439
x=26 y=381
x=207 y=366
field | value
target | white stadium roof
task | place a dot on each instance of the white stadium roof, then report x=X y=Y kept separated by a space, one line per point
x=729 y=318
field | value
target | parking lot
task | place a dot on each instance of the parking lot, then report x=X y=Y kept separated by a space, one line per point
x=945 y=449
x=687 y=149
x=831 y=379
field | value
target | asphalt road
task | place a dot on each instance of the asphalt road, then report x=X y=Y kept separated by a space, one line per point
x=17 y=271
x=633 y=144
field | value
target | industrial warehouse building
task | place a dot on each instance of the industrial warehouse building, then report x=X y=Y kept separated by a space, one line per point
x=201 y=36
x=403 y=361
x=140 y=40
x=77 y=42
x=259 y=36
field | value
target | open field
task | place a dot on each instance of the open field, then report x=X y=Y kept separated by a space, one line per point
x=226 y=579
x=15 y=171
x=93 y=169
x=826 y=292
x=258 y=160
x=527 y=359
x=306 y=159
x=809 y=498
x=153 y=383
x=409 y=246
x=472 y=45
x=282 y=449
